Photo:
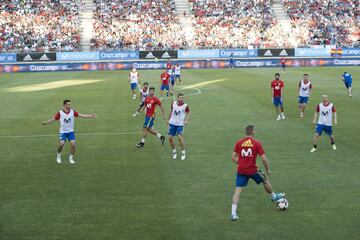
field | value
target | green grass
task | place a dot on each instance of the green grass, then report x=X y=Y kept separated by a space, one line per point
x=116 y=191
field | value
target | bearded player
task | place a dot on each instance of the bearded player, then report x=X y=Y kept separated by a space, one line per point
x=277 y=92
x=178 y=118
x=66 y=116
x=151 y=102
x=305 y=88
x=244 y=156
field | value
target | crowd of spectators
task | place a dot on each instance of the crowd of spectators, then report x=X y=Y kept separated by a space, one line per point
x=317 y=22
x=136 y=24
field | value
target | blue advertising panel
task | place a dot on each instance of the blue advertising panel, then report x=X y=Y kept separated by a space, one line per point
x=351 y=52
x=7 y=57
x=77 y=56
x=238 y=53
x=120 y=55
x=203 y=53
x=312 y=52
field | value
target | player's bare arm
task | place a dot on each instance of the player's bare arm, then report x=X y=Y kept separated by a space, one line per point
x=266 y=164
x=315 y=117
x=335 y=118
x=49 y=121
x=162 y=112
x=87 y=115
x=187 y=116
x=234 y=157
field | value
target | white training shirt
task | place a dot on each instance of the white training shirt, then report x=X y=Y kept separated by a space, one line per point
x=134 y=77
x=177 y=70
x=66 y=121
x=325 y=113
x=178 y=114
x=304 y=90
x=144 y=94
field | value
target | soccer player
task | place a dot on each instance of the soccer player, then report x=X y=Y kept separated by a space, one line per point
x=347 y=78
x=164 y=84
x=327 y=114
x=172 y=77
x=231 y=61
x=168 y=64
x=151 y=102
x=178 y=117
x=134 y=81
x=144 y=92
x=305 y=88
x=283 y=64
x=276 y=90
x=244 y=156
x=178 y=73
x=66 y=116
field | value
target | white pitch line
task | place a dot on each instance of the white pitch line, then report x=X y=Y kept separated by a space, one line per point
x=78 y=134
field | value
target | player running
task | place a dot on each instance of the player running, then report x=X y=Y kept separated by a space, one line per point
x=178 y=117
x=347 y=78
x=164 y=84
x=178 y=73
x=283 y=64
x=134 y=80
x=276 y=90
x=144 y=92
x=244 y=156
x=151 y=102
x=67 y=116
x=327 y=113
x=172 y=77
x=305 y=88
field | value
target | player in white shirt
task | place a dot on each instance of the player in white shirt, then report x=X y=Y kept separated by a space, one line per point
x=327 y=114
x=178 y=117
x=66 y=116
x=305 y=88
x=144 y=92
x=134 y=80
x=178 y=73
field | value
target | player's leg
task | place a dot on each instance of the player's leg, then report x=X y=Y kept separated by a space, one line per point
x=145 y=131
x=260 y=177
x=241 y=183
x=328 y=131
x=180 y=135
x=172 y=133
x=276 y=101
x=169 y=91
x=61 y=144
x=157 y=134
x=139 y=108
x=133 y=87
x=72 y=151
x=318 y=132
x=282 y=109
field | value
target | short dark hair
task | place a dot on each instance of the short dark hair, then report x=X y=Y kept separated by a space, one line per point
x=305 y=74
x=151 y=88
x=180 y=94
x=66 y=101
x=249 y=130
x=277 y=74
x=145 y=83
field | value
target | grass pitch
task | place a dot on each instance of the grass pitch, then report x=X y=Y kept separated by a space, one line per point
x=116 y=191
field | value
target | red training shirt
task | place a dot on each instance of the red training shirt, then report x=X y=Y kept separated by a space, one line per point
x=150 y=103
x=277 y=86
x=165 y=78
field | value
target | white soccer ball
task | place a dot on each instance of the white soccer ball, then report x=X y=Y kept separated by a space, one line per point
x=282 y=204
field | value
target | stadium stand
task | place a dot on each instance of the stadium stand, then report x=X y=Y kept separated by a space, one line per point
x=136 y=24
x=39 y=25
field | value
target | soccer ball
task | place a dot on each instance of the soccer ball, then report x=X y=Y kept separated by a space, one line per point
x=282 y=204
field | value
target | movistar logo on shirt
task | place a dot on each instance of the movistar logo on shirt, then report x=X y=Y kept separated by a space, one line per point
x=150 y=55
x=325 y=113
x=67 y=120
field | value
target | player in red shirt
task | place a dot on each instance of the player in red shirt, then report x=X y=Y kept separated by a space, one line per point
x=244 y=156
x=283 y=64
x=168 y=64
x=277 y=92
x=164 y=84
x=151 y=102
